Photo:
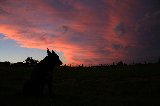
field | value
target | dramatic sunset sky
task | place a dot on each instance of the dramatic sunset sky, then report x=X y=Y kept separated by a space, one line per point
x=80 y=31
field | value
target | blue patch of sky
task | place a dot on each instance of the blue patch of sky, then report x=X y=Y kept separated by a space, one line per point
x=11 y=51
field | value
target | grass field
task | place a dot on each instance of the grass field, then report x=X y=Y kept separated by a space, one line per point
x=83 y=86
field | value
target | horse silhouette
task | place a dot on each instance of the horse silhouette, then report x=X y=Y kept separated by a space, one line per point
x=41 y=77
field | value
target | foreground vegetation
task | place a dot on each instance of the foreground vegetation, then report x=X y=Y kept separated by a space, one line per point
x=104 y=85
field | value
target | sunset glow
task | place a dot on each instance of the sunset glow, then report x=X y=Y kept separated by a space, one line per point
x=85 y=31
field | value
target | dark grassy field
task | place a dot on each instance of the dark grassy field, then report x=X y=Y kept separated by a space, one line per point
x=83 y=86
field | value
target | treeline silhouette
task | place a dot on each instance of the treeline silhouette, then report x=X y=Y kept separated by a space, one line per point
x=27 y=62
x=32 y=62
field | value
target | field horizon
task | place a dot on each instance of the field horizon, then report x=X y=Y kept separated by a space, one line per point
x=100 y=85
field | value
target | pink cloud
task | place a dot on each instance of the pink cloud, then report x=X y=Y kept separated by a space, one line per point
x=86 y=33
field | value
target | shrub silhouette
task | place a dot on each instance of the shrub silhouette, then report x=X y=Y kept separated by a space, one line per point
x=31 y=61
x=42 y=75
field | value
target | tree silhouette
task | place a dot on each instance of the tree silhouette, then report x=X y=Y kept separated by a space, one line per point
x=31 y=61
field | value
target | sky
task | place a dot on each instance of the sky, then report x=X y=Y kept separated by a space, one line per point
x=80 y=31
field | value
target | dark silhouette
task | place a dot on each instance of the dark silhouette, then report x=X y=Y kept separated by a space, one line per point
x=42 y=75
x=31 y=61
x=6 y=63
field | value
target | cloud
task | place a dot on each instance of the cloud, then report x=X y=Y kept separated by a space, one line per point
x=120 y=29
x=89 y=32
x=148 y=34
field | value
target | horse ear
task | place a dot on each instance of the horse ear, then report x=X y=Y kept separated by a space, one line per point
x=53 y=52
x=48 y=52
